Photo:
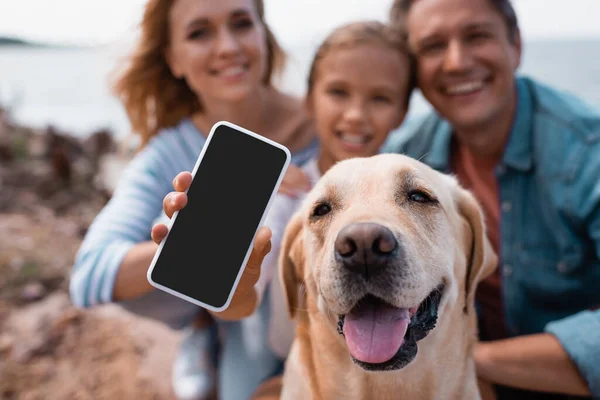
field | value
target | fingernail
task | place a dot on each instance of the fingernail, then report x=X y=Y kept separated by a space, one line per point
x=173 y=200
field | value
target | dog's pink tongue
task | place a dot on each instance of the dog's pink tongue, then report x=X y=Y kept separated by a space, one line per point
x=374 y=334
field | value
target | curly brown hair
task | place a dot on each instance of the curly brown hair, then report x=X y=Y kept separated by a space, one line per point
x=153 y=98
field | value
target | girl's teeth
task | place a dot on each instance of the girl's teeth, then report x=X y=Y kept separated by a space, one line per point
x=353 y=139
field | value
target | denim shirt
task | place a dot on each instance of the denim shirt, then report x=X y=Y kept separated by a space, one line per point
x=549 y=200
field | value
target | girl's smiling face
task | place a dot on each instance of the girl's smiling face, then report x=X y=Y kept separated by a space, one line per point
x=359 y=95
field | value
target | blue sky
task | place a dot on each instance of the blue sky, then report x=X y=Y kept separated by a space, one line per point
x=107 y=21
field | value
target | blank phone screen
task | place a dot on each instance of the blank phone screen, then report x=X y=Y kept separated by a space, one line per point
x=211 y=235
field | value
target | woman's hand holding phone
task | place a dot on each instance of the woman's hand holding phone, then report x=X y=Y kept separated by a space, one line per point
x=244 y=299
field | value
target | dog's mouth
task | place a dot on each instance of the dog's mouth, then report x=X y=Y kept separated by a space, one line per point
x=381 y=337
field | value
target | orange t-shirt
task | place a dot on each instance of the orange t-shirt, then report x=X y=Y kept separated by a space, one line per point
x=477 y=175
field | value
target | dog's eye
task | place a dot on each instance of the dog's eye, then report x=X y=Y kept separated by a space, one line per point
x=420 y=197
x=321 y=210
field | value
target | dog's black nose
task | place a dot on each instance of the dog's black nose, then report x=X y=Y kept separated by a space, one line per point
x=365 y=247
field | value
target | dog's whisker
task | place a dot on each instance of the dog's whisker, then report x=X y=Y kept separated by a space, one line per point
x=304 y=292
x=423 y=156
x=308 y=311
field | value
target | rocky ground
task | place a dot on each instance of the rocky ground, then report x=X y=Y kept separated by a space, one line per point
x=51 y=187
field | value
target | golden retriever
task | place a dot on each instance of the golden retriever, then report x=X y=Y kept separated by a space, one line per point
x=379 y=269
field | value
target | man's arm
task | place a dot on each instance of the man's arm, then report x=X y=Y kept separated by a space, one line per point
x=579 y=334
x=536 y=362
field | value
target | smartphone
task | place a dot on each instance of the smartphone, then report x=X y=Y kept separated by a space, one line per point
x=235 y=179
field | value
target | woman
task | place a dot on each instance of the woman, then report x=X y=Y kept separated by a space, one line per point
x=198 y=62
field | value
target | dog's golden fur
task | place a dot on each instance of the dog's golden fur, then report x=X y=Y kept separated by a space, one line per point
x=443 y=242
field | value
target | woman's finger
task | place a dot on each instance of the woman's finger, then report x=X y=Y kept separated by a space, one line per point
x=159 y=231
x=182 y=181
x=262 y=246
x=174 y=201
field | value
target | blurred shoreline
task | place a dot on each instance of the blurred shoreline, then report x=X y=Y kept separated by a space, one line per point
x=70 y=88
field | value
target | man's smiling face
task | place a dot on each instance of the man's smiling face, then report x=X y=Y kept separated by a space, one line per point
x=466 y=59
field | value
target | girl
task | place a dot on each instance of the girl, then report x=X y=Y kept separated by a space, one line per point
x=359 y=87
x=198 y=62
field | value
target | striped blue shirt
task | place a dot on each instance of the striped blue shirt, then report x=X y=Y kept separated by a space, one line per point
x=135 y=206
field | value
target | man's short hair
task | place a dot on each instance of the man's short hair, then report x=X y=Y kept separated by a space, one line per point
x=504 y=7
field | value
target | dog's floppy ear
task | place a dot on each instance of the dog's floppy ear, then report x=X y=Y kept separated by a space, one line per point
x=481 y=258
x=291 y=263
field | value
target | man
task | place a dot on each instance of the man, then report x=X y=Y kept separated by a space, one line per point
x=531 y=155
